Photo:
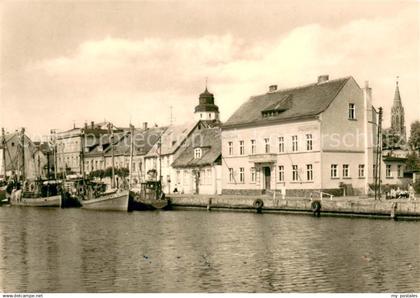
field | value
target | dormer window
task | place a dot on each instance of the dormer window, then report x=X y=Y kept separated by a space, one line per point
x=197 y=153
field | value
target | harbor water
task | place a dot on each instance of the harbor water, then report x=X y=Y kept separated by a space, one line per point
x=74 y=250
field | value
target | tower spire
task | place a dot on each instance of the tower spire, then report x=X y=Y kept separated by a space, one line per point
x=397 y=96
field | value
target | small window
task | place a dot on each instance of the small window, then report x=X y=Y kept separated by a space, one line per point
x=309 y=142
x=281 y=173
x=241 y=175
x=281 y=144
x=197 y=153
x=361 y=171
x=241 y=148
x=346 y=171
x=295 y=174
x=309 y=172
x=230 y=146
x=201 y=116
x=253 y=147
x=253 y=174
x=352 y=111
x=334 y=171
x=209 y=116
x=388 y=171
x=267 y=145
x=294 y=143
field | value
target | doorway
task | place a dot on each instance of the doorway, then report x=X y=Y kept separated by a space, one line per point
x=267 y=178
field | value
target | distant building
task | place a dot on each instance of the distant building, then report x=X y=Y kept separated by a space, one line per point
x=317 y=137
x=198 y=167
x=397 y=116
x=71 y=144
x=22 y=157
x=206 y=110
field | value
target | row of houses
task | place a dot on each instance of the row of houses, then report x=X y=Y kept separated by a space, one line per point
x=317 y=137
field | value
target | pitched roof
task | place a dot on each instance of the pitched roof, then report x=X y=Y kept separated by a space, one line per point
x=293 y=103
x=209 y=140
x=173 y=137
x=143 y=141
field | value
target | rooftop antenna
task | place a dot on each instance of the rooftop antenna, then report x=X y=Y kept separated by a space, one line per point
x=206 y=82
x=171 y=119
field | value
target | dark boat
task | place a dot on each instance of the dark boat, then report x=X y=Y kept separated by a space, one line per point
x=149 y=197
x=71 y=193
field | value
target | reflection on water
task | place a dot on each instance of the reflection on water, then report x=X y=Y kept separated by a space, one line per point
x=74 y=250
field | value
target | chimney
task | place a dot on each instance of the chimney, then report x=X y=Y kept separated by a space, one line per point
x=92 y=124
x=272 y=88
x=144 y=125
x=323 y=78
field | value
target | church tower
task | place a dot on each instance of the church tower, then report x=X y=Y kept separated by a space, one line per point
x=206 y=109
x=397 y=115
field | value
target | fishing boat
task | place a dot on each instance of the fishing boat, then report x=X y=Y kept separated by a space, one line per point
x=96 y=196
x=149 y=197
x=71 y=194
x=110 y=200
x=37 y=194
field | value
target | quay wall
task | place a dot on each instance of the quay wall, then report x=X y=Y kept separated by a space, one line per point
x=352 y=206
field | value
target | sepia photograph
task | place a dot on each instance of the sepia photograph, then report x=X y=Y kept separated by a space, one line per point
x=209 y=146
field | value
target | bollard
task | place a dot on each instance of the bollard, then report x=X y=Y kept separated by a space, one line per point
x=209 y=205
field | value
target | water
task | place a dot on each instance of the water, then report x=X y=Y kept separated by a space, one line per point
x=74 y=250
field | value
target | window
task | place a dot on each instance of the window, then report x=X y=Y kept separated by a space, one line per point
x=185 y=177
x=281 y=144
x=346 y=171
x=294 y=143
x=241 y=175
x=267 y=145
x=197 y=153
x=231 y=177
x=295 y=175
x=400 y=173
x=208 y=176
x=178 y=177
x=253 y=174
x=201 y=116
x=361 y=171
x=309 y=173
x=281 y=173
x=374 y=170
x=352 y=111
x=253 y=147
x=209 y=116
x=388 y=171
x=133 y=167
x=334 y=171
x=230 y=146
x=241 y=148
x=309 y=142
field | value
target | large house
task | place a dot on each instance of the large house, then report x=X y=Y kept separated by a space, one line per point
x=317 y=137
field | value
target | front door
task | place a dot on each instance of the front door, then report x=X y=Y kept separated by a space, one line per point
x=267 y=177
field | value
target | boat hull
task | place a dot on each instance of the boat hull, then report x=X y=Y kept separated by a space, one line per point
x=17 y=199
x=69 y=201
x=110 y=202
x=141 y=204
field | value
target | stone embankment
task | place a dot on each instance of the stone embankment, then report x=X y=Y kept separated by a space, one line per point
x=337 y=206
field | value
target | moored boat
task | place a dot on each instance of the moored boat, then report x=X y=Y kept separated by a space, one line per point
x=112 y=200
x=149 y=197
x=41 y=194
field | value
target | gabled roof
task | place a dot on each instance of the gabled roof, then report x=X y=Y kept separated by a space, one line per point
x=173 y=137
x=143 y=142
x=294 y=103
x=209 y=140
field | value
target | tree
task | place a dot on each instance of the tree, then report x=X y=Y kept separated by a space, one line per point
x=414 y=140
x=413 y=161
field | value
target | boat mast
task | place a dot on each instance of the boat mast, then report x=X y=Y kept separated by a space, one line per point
x=130 y=175
x=54 y=153
x=23 y=153
x=160 y=158
x=82 y=152
x=111 y=131
x=3 y=137
x=380 y=150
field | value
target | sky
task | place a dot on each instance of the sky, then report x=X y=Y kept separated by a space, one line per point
x=70 y=62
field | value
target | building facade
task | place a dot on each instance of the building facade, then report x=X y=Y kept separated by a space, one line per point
x=318 y=137
x=198 y=168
